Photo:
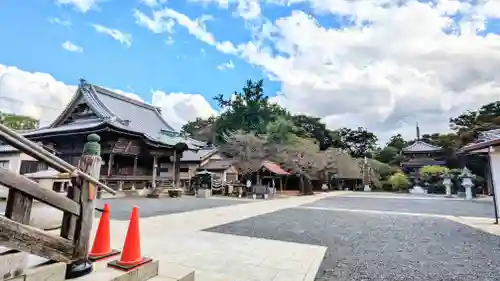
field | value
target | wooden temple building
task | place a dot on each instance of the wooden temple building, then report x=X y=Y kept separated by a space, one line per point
x=420 y=154
x=136 y=140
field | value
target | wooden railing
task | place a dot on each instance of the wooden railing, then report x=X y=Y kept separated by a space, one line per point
x=72 y=245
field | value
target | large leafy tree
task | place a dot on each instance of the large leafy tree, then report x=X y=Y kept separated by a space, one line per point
x=312 y=127
x=359 y=142
x=469 y=123
x=201 y=129
x=397 y=142
x=389 y=155
x=18 y=122
x=247 y=111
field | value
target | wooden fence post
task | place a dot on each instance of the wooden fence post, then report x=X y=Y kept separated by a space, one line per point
x=84 y=192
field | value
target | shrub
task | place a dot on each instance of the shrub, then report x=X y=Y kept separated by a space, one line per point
x=386 y=186
x=437 y=188
x=399 y=181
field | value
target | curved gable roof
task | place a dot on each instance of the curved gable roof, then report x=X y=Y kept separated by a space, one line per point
x=420 y=146
x=134 y=114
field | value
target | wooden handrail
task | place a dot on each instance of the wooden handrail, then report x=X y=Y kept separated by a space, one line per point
x=49 y=197
x=35 y=151
x=72 y=245
x=23 y=237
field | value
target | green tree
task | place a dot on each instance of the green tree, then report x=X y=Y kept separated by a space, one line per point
x=281 y=131
x=248 y=111
x=201 y=129
x=387 y=154
x=433 y=170
x=397 y=142
x=312 y=127
x=18 y=122
x=359 y=142
x=399 y=181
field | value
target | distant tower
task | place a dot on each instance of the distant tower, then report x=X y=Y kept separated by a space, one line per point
x=418 y=131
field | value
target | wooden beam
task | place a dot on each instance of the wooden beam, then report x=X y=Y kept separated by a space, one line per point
x=25 y=238
x=19 y=206
x=18 y=182
x=69 y=221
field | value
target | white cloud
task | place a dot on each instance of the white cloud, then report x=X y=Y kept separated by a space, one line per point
x=122 y=37
x=226 y=66
x=82 y=5
x=399 y=61
x=56 y=20
x=68 y=46
x=41 y=96
x=153 y=3
x=247 y=9
x=179 y=108
x=156 y=24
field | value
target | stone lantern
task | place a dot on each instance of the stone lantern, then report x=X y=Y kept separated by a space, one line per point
x=467 y=183
x=447 y=183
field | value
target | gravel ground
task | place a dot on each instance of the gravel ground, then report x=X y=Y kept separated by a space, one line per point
x=368 y=247
x=411 y=205
x=149 y=207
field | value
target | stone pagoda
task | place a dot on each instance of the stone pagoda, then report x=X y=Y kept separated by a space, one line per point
x=418 y=155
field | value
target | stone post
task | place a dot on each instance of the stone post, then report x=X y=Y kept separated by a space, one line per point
x=447 y=183
x=366 y=176
x=467 y=183
x=84 y=192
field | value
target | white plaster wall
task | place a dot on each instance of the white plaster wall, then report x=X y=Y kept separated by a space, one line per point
x=495 y=174
x=14 y=165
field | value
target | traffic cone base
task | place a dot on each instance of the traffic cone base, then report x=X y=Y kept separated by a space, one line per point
x=98 y=257
x=131 y=254
x=128 y=266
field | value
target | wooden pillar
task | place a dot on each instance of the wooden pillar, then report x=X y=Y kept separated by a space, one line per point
x=134 y=171
x=111 y=160
x=79 y=228
x=155 y=171
x=177 y=168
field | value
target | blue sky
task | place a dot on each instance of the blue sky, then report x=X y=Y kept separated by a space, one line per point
x=379 y=64
x=187 y=65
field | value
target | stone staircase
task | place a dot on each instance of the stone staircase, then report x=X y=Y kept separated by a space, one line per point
x=20 y=266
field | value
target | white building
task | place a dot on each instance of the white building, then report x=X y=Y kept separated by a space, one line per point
x=488 y=145
x=14 y=160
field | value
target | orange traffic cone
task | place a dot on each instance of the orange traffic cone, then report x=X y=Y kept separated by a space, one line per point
x=131 y=255
x=102 y=244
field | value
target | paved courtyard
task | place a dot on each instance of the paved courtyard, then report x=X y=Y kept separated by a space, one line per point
x=336 y=236
x=149 y=207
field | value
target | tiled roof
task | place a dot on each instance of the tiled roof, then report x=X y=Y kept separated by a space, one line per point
x=74 y=126
x=217 y=165
x=420 y=146
x=423 y=162
x=141 y=117
x=274 y=168
x=484 y=140
x=195 y=156
x=122 y=113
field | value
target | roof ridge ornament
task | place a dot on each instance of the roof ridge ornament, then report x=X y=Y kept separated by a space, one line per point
x=83 y=83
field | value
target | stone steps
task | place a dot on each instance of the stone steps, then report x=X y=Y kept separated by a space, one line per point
x=20 y=266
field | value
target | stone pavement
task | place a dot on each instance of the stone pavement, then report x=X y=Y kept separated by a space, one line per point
x=323 y=231
x=179 y=239
x=374 y=244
